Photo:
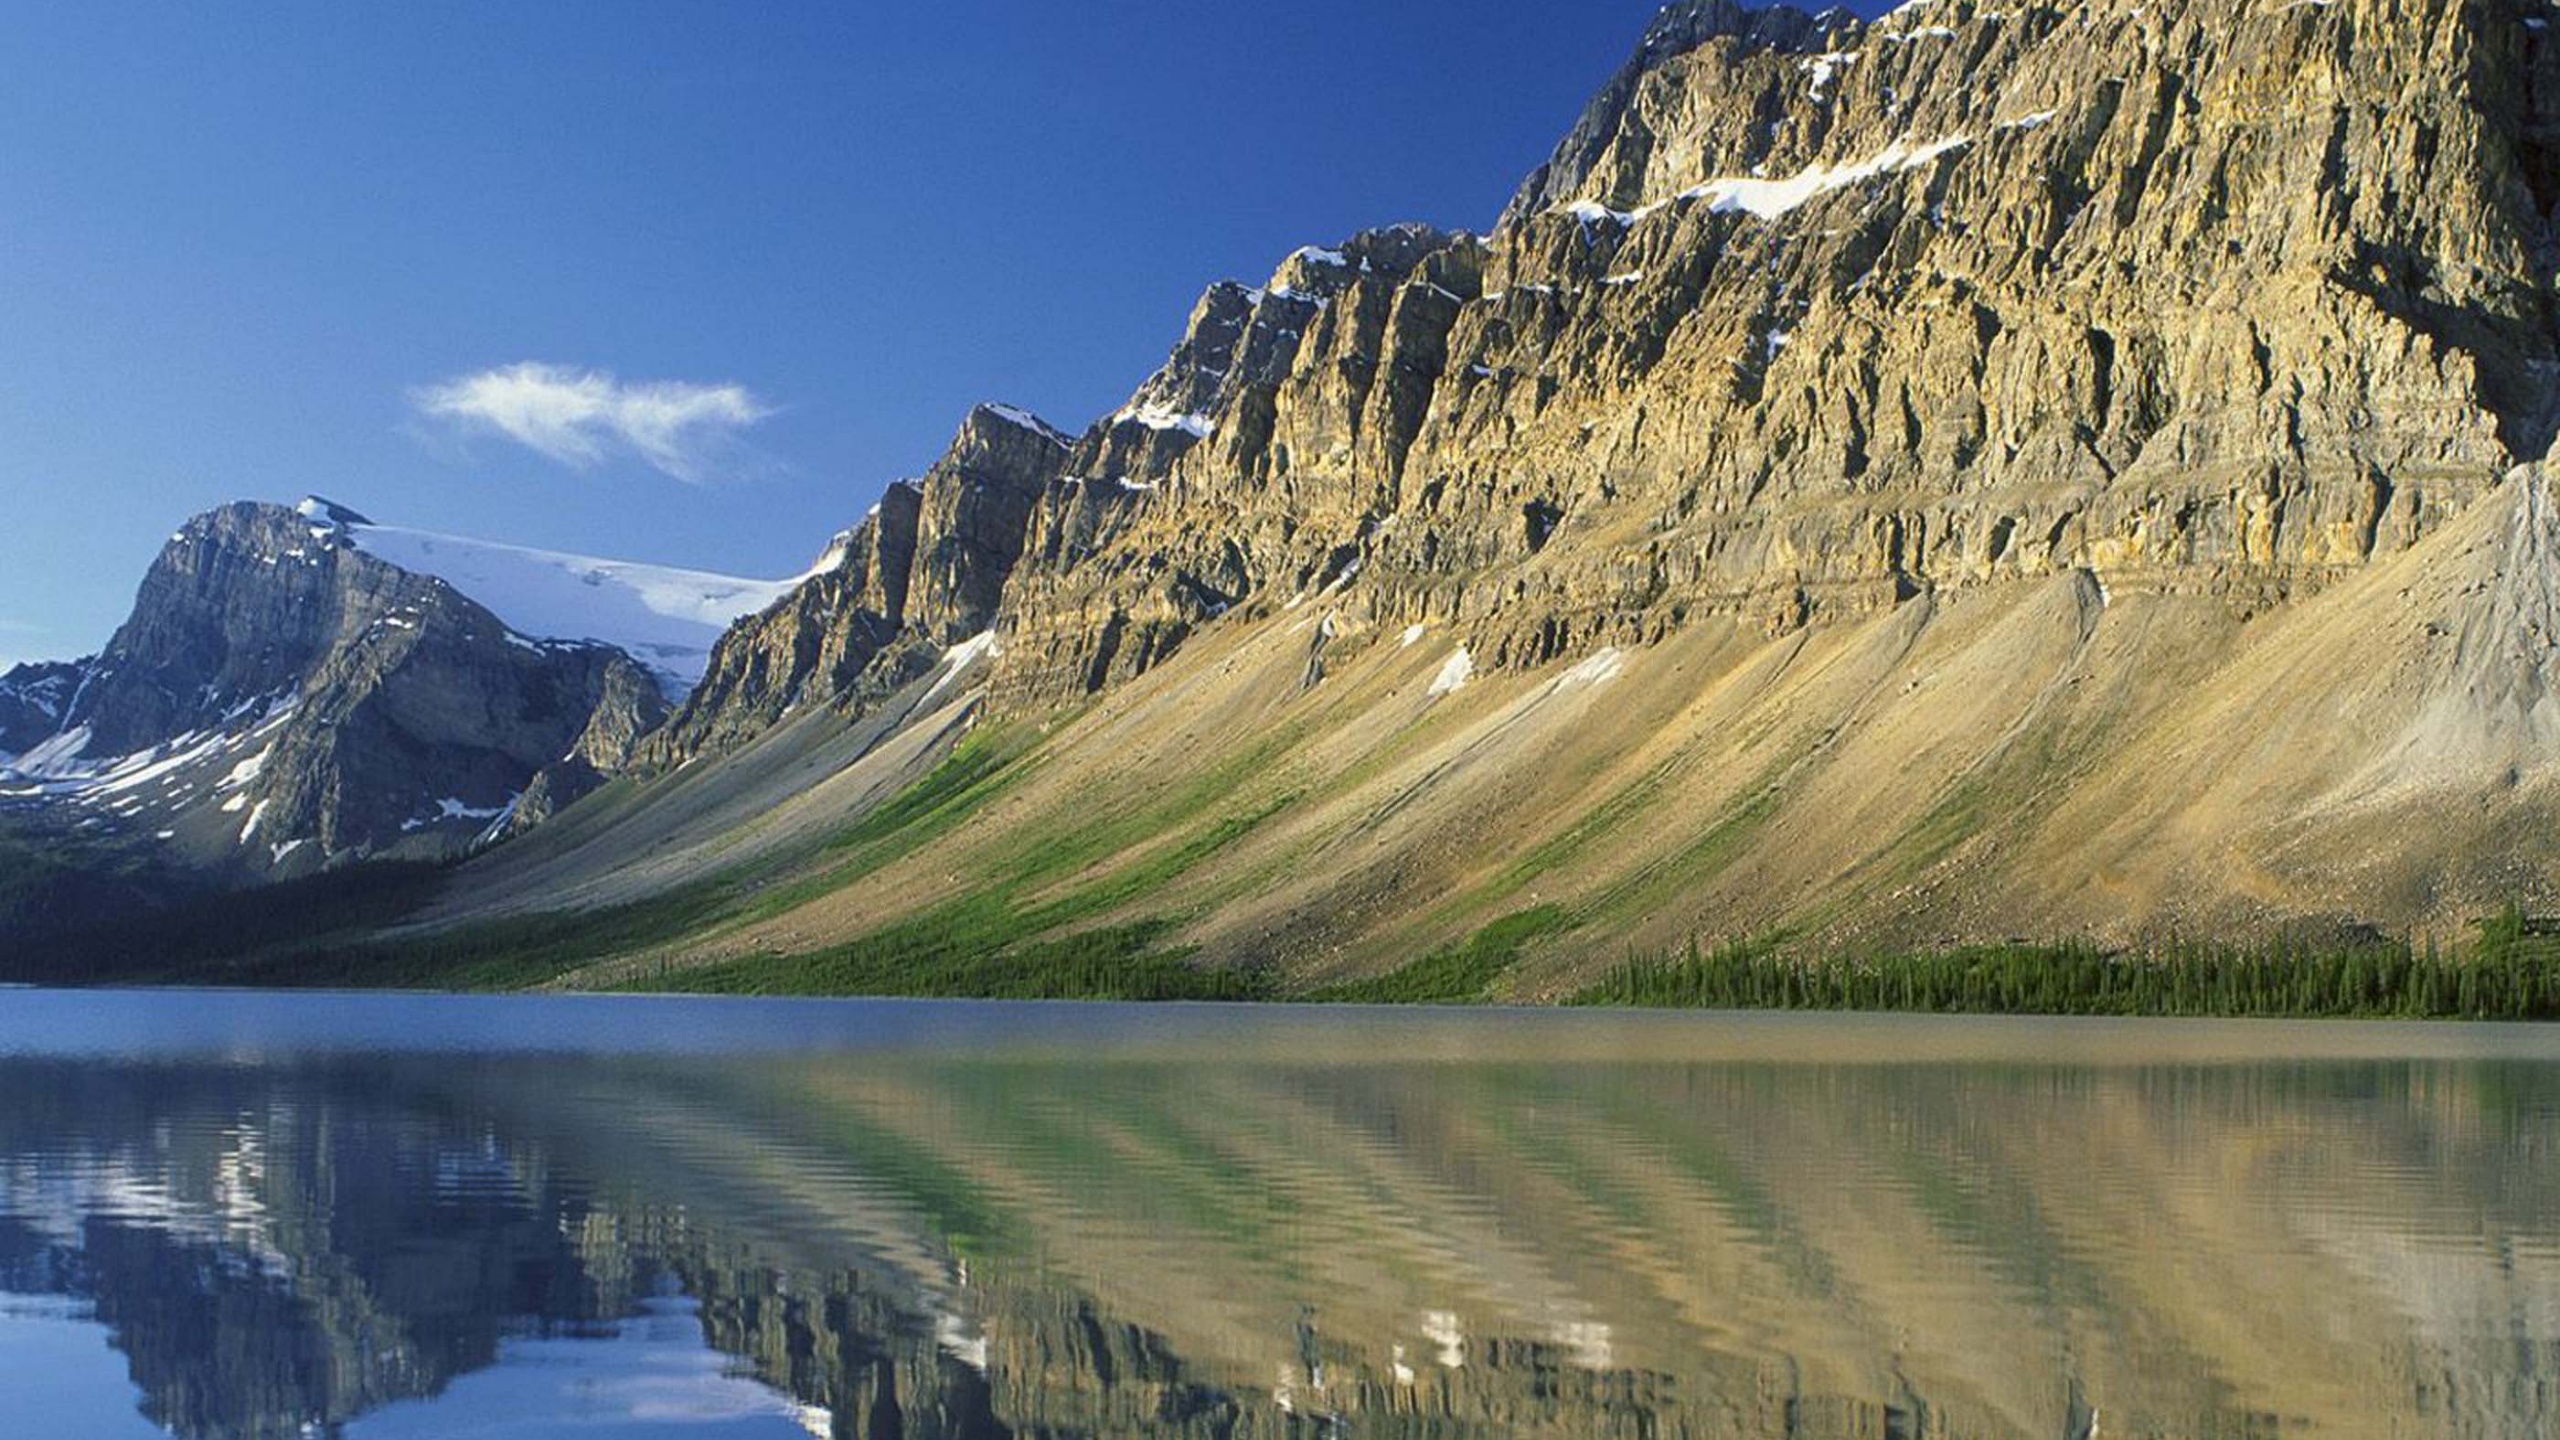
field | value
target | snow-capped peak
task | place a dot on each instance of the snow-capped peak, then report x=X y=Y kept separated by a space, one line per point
x=830 y=560
x=1022 y=419
x=321 y=510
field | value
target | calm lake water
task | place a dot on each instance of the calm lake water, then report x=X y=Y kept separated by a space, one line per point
x=255 y=1216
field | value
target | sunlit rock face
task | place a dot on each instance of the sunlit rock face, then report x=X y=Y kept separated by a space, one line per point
x=922 y=573
x=1808 y=316
x=2057 y=470
x=1270 y=1244
x=1981 y=471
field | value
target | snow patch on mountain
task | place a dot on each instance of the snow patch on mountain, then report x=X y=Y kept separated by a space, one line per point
x=1020 y=418
x=53 y=758
x=957 y=659
x=1768 y=199
x=1454 y=675
x=453 y=808
x=666 y=617
x=1167 y=417
x=839 y=550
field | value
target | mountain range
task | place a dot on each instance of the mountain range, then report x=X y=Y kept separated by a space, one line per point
x=1987 y=472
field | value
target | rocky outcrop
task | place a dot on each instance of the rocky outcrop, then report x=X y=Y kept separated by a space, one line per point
x=1810 y=315
x=32 y=699
x=924 y=571
x=972 y=512
x=241 y=605
x=628 y=709
x=1274 y=388
x=280 y=700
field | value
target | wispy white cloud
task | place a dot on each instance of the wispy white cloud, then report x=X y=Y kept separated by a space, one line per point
x=583 y=418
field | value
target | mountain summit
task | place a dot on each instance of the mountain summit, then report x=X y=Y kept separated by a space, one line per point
x=299 y=687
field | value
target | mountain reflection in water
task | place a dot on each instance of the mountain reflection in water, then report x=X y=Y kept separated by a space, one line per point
x=1904 y=1232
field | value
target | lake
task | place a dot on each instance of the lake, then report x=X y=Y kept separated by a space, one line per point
x=231 y=1215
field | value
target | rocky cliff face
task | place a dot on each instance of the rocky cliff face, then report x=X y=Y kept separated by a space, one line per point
x=1809 y=316
x=628 y=709
x=1977 y=472
x=964 y=549
x=280 y=700
x=32 y=699
x=924 y=571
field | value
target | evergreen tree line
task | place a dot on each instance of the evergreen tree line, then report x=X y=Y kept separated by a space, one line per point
x=2510 y=970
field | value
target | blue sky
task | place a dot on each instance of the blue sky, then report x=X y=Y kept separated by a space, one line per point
x=686 y=282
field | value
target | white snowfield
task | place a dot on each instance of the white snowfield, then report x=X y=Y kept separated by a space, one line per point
x=1167 y=417
x=1768 y=199
x=1454 y=675
x=667 y=618
x=1016 y=415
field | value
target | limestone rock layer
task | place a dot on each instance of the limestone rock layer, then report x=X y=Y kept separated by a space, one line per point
x=2037 y=469
x=1809 y=316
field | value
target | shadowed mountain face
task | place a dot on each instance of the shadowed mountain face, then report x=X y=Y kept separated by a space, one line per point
x=281 y=700
x=1278 y=1242
x=32 y=699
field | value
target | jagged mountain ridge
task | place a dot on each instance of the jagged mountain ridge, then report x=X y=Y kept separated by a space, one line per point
x=1809 y=314
x=1935 y=444
x=1942 y=310
x=925 y=570
x=32 y=698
